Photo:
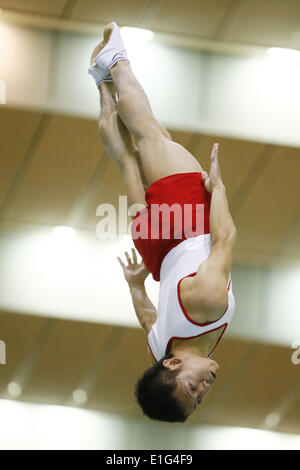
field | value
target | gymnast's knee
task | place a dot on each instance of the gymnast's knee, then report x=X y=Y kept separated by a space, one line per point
x=151 y=131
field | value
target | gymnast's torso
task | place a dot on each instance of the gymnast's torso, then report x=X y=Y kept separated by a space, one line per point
x=173 y=322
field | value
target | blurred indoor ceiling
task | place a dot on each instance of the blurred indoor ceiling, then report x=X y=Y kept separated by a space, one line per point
x=57 y=173
x=227 y=21
x=50 y=358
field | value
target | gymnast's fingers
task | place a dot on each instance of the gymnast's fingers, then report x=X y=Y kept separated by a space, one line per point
x=121 y=262
x=128 y=258
x=214 y=153
x=134 y=257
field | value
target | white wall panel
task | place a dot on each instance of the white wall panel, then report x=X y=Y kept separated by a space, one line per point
x=78 y=277
x=242 y=96
x=23 y=428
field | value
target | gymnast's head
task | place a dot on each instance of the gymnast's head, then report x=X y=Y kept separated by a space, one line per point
x=174 y=387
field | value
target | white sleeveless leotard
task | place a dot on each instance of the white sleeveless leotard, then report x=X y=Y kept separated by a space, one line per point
x=173 y=321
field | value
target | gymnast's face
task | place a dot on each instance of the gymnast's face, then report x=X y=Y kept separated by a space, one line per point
x=195 y=378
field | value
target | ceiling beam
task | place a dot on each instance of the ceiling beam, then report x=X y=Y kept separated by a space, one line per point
x=24 y=167
x=94 y=29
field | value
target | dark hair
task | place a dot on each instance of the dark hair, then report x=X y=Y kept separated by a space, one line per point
x=154 y=393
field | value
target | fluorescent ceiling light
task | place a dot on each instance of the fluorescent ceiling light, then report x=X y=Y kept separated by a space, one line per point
x=136 y=34
x=14 y=389
x=79 y=397
x=64 y=233
x=286 y=55
x=272 y=420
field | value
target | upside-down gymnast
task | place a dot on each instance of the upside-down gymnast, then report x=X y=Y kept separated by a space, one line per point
x=196 y=302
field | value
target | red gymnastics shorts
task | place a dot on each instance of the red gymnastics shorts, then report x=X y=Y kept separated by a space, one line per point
x=177 y=208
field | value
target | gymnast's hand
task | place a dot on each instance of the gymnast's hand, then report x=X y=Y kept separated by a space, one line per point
x=214 y=179
x=134 y=272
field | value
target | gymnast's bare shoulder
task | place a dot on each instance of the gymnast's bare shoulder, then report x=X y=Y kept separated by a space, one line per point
x=205 y=295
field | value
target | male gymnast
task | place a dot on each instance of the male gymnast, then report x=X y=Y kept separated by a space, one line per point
x=191 y=261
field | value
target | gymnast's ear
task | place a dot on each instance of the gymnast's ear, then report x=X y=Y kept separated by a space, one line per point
x=173 y=363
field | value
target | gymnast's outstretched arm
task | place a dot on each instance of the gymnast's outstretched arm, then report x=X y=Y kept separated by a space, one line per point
x=207 y=292
x=135 y=274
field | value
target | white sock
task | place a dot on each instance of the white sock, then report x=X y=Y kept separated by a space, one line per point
x=99 y=74
x=113 y=51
